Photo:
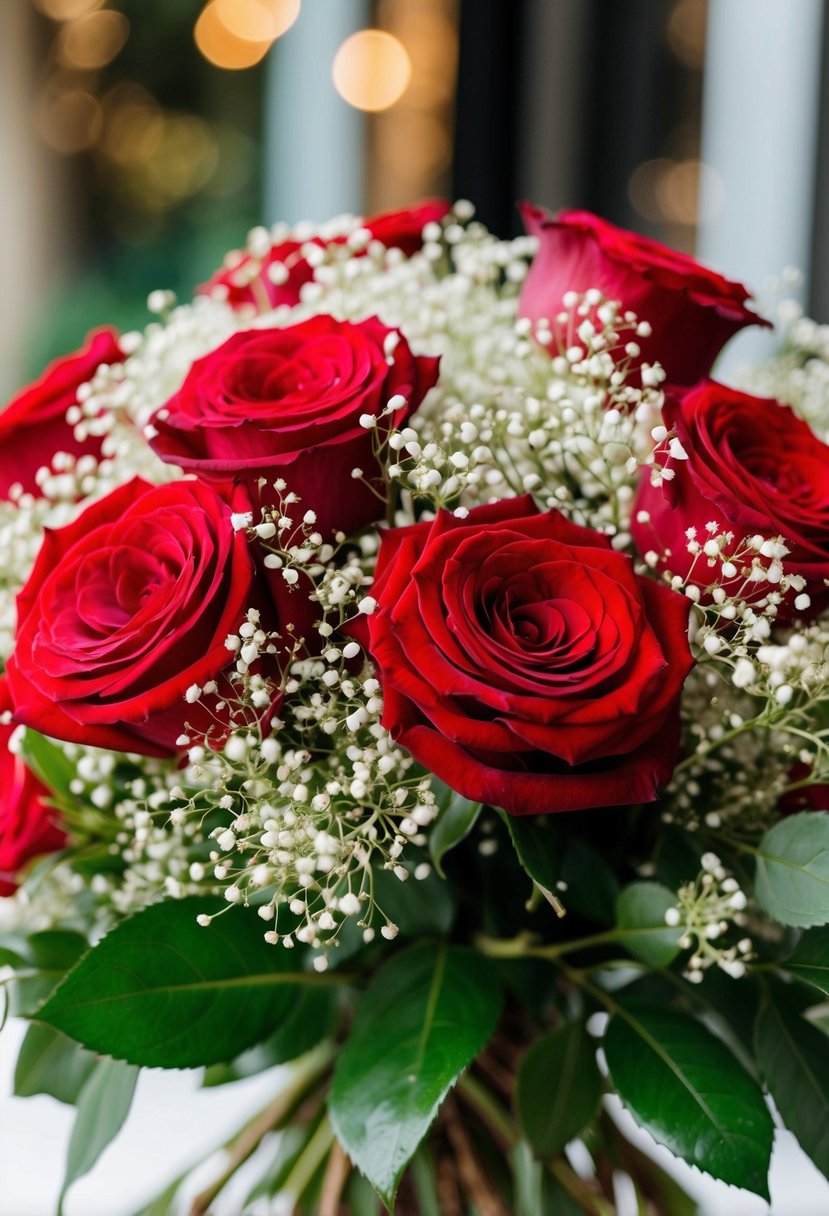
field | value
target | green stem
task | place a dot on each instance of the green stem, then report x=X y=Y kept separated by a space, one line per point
x=589 y=1202
x=306 y=1072
x=522 y=945
x=493 y=1114
x=309 y=1160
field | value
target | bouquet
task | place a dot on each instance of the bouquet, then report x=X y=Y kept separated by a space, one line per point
x=415 y=677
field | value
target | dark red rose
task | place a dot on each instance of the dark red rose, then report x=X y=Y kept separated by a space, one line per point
x=404 y=229
x=287 y=403
x=525 y=663
x=28 y=825
x=125 y=609
x=692 y=310
x=246 y=281
x=33 y=425
x=807 y=797
x=752 y=468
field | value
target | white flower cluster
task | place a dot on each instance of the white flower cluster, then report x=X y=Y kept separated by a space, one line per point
x=707 y=910
x=798 y=371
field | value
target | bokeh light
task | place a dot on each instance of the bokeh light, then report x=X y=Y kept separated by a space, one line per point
x=372 y=70
x=674 y=190
x=686 y=32
x=94 y=40
x=67 y=10
x=69 y=119
x=257 y=20
x=224 y=48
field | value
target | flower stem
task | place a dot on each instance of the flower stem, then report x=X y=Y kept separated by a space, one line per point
x=490 y=1110
x=306 y=1072
x=309 y=1160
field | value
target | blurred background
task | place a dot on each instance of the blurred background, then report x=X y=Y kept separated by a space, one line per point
x=140 y=139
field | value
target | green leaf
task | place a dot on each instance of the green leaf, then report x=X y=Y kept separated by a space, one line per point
x=640 y=917
x=558 y=1090
x=792 y=879
x=48 y=956
x=103 y=1106
x=686 y=1088
x=456 y=818
x=809 y=960
x=537 y=842
x=49 y=1063
x=794 y=1062
x=49 y=762
x=160 y=990
x=425 y=1016
x=310 y=1019
x=591 y=886
x=419 y=907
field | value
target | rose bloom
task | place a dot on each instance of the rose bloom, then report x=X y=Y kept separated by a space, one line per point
x=125 y=609
x=250 y=282
x=692 y=310
x=288 y=403
x=525 y=663
x=753 y=468
x=28 y=825
x=33 y=425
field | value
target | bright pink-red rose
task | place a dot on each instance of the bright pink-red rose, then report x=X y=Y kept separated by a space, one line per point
x=287 y=403
x=753 y=468
x=28 y=825
x=692 y=310
x=127 y=607
x=277 y=278
x=33 y=425
x=525 y=663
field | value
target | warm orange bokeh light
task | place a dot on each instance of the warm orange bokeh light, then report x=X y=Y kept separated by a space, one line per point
x=93 y=41
x=372 y=70
x=67 y=10
x=221 y=47
x=68 y=119
x=257 y=20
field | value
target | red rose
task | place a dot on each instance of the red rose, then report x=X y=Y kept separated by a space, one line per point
x=525 y=663
x=125 y=609
x=33 y=426
x=287 y=403
x=27 y=823
x=752 y=468
x=278 y=277
x=692 y=310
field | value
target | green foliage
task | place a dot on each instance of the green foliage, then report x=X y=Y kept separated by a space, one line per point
x=49 y=762
x=160 y=990
x=792 y=879
x=103 y=1106
x=536 y=1192
x=49 y=1063
x=45 y=959
x=537 y=843
x=310 y=1019
x=456 y=819
x=794 y=1061
x=419 y=907
x=685 y=1087
x=424 y=1018
x=809 y=960
x=591 y=885
x=640 y=917
x=559 y=1087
